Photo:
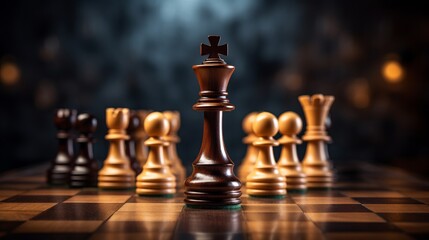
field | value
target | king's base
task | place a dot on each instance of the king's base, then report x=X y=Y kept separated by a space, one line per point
x=220 y=207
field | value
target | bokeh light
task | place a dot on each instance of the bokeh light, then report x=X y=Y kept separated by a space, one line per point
x=9 y=73
x=393 y=71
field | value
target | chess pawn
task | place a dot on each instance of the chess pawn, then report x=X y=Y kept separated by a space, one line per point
x=59 y=171
x=133 y=126
x=250 y=158
x=265 y=179
x=290 y=124
x=84 y=172
x=156 y=178
x=116 y=172
x=176 y=166
x=315 y=163
x=140 y=137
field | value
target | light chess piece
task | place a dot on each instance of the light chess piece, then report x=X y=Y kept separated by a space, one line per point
x=59 y=170
x=140 y=137
x=251 y=154
x=315 y=163
x=130 y=149
x=116 y=172
x=179 y=171
x=85 y=169
x=212 y=183
x=156 y=178
x=290 y=124
x=265 y=179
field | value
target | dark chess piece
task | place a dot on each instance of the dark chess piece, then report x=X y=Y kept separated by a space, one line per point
x=132 y=129
x=212 y=183
x=85 y=170
x=59 y=171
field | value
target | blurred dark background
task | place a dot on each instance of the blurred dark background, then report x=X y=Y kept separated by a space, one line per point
x=373 y=56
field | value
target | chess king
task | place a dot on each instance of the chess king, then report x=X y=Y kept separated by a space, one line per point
x=212 y=183
x=315 y=163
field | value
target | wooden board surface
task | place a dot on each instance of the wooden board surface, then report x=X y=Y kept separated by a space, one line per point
x=367 y=202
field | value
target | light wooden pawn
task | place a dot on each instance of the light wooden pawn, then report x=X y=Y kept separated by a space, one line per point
x=251 y=154
x=265 y=179
x=116 y=172
x=177 y=168
x=290 y=124
x=156 y=178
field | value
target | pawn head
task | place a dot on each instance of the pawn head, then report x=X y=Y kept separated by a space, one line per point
x=86 y=123
x=156 y=125
x=265 y=125
x=290 y=123
x=173 y=118
x=248 y=122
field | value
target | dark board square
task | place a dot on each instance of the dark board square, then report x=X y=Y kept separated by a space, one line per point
x=278 y=216
x=405 y=217
x=36 y=199
x=134 y=226
x=333 y=208
x=355 y=227
x=47 y=236
x=79 y=211
x=6 y=226
x=365 y=200
x=420 y=236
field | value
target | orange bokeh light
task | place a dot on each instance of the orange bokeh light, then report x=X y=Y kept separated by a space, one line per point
x=393 y=71
x=9 y=73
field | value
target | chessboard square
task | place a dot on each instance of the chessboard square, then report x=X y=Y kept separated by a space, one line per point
x=79 y=211
x=20 y=186
x=404 y=200
x=52 y=192
x=98 y=199
x=414 y=194
x=270 y=207
x=132 y=236
x=17 y=215
x=29 y=206
x=9 y=225
x=324 y=200
x=413 y=227
x=47 y=236
x=405 y=217
x=253 y=200
x=144 y=216
x=375 y=194
x=398 y=208
x=58 y=227
x=166 y=201
x=95 y=191
x=273 y=217
x=333 y=208
x=344 y=217
x=423 y=200
x=37 y=199
x=9 y=193
x=346 y=227
x=367 y=236
x=152 y=207
x=138 y=226
x=281 y=227
x=315 y=193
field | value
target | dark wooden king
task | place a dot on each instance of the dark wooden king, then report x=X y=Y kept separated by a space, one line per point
x=212 y=183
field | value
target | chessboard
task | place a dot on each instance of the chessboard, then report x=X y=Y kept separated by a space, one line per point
x=366 y=202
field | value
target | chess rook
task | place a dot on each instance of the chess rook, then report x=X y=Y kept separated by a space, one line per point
x=177 y=168
x=212 y=183
x=290 y=124
x=85 y=170
x=133 y=126
x=116 y=172
x=251 y=154
x=265 y=179
x=156 y=178
x=315 y=162
x=59 y=170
